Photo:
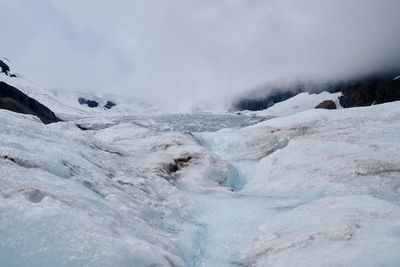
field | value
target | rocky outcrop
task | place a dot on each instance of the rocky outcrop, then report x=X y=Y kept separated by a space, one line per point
x=94 y=104
x=4 y=68
x=88 y=102
x=178 y=164
x=14 y=100
x=109 y=104
x=327 y=104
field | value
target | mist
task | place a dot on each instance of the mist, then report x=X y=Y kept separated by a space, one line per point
x=188 y=53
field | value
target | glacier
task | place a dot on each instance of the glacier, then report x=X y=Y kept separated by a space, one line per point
x=314 y=188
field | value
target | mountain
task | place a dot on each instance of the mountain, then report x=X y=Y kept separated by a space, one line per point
x=72 y=104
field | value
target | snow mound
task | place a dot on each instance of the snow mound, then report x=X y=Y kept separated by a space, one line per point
x=298 y=103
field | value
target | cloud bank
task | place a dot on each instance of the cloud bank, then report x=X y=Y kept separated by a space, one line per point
x=187 y=52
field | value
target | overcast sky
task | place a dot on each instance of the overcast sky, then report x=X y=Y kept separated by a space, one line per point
x=189 y=51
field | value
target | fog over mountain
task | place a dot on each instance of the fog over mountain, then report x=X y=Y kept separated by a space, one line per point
x=183 y=53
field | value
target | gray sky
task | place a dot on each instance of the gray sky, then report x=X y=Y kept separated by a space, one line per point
x=189 y=51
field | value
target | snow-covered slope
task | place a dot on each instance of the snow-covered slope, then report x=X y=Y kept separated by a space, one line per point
x=298 y=103
x=66 y=105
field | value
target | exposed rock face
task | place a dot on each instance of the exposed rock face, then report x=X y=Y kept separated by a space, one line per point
x=178 y=164
x=327 y=104
x=94 y=104
x=88 y=102
x=14 y=100
x=109 y=104
x=375 y=91
x=4 y=68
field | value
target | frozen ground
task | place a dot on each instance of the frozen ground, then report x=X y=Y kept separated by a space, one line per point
x=318 y=188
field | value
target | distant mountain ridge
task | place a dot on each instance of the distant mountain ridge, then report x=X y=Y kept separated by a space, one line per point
x=363 y=91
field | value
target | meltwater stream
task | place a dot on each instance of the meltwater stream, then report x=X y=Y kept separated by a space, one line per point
x=225 y=221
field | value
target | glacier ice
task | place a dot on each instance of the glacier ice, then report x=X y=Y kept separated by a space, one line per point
x=318 y=188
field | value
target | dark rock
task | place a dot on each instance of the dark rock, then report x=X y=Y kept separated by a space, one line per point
x=14 y=100
x=83 y=127
x=176 y=165
x=8 y=158
x=88 y=102
x=109 y=104
x=327 y=104
x=4 y=68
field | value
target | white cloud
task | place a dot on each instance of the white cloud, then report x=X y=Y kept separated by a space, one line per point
x=189 y=51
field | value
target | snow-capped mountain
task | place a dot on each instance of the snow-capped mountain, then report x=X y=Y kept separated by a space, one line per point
x=71 y=104
x=311 y=187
